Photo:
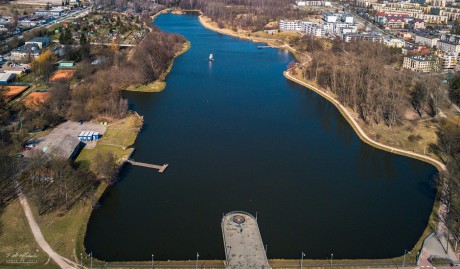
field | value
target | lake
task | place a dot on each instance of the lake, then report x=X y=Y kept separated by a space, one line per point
x=239 y=136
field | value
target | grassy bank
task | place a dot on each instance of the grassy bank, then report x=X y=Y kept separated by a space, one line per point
x=159 y=84
x=397 y=137
x=398 y=134
x=16 y=238
x=277 y=40
x=64 y=229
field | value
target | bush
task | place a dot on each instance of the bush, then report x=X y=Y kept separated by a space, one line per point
x=414 y=138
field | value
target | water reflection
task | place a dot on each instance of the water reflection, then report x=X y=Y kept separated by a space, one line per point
x=239 y=136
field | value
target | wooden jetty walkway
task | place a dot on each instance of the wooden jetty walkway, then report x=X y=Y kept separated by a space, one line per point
x=243 y=244
x=160 y=168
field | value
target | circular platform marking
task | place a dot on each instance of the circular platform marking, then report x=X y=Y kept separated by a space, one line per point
x=238 y=219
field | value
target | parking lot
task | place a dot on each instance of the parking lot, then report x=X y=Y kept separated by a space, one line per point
x=67 y=128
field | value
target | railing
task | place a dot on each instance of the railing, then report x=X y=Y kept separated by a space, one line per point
x=322 y=265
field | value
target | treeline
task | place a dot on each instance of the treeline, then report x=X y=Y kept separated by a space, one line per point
x=53 y=182
x=449 y=187
x=99 y=92
x=101 y=78
x=365 y=76
x=57 y=183
x=246 y=14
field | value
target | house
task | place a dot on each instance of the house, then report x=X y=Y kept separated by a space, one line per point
x=55 y=12
x=330 y=17
x=451 y=38
x=418 y=64
x=447 y=60
x=25 y=52
x=428 y=40
x=417 y=24
x=41 y=42
x=6 y=78
x=395 y=22
x=447 y=46
x=394 y=42
x=296 y=25
x=347 y=18
x=363 y=36
x=16 y=68
x=68 y=148
x=415 y=50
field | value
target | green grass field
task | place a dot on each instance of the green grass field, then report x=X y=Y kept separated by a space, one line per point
x=16 y=239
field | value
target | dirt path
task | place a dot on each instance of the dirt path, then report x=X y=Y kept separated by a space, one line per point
x=64 y=263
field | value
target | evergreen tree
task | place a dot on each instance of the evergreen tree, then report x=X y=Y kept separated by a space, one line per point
x=83 y=39
x=68 y=36
x=62 y=37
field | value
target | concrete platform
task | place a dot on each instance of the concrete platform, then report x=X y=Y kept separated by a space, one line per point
x=242 y=242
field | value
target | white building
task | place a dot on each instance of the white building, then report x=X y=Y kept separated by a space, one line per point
x=313 y=3
x=315 y=30
x=394 y=42
x=297 y=26
x=330 y=17
x=447 y=60
x=348 y=18
x=426 y=40
x=418 y=64
x=448 y=47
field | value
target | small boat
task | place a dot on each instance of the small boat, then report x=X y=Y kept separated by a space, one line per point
x=211 y=57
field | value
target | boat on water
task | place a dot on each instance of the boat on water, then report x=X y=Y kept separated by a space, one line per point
x=211 y=57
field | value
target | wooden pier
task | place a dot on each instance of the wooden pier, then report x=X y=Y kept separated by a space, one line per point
x=160 y=168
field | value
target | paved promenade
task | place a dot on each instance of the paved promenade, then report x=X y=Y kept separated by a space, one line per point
x=243 y=244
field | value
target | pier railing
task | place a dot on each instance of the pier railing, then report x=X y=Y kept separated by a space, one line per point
x=322 y=265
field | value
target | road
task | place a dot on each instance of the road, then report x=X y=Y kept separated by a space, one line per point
x=71 y=15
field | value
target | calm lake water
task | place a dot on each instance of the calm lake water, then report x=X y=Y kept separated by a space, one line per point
x=239 y=136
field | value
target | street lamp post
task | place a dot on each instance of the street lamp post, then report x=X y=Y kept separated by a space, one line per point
x=404 y=260
x=196 y=264
x=301 y=260
x=81 y=259
x=91 y=258
x=152 y=260
x=256 y=215
x=332 y=257
x=266 y=250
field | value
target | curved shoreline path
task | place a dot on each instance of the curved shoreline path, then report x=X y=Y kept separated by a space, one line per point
x=242 y=136
x=364 y=137
x=62 y=262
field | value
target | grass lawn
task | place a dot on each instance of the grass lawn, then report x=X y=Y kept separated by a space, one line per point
x=16 y=237
x=156 y=86
x=123 y=132
x=65 y=231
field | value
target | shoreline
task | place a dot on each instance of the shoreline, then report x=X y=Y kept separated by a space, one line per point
x=361 y=134
x=345 y=113
x=160 y=84
x=359 y=131
x=205 y=22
